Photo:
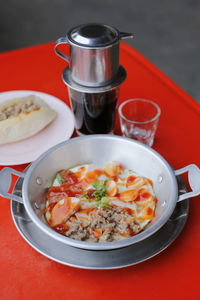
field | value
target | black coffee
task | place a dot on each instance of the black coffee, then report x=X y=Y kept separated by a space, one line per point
x=94 y=113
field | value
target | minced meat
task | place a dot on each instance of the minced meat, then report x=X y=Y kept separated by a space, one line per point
x=108 y=221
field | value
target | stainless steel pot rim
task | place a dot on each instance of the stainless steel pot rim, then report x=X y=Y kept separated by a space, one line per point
x=89 y=245
x=119 y=79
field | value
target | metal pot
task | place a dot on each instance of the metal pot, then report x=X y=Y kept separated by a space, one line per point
x=94 y=53
x=100 y=149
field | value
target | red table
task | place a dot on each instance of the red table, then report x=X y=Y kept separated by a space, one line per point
x=174 y=273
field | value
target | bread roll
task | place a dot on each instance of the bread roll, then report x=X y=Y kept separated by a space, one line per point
x=23 y=117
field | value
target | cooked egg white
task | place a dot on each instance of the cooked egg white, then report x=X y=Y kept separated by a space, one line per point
x=124 y=190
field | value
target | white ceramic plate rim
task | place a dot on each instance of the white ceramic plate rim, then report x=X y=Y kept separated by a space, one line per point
x=29 y=149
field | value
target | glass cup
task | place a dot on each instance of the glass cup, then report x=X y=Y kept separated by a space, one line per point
x=139 y=120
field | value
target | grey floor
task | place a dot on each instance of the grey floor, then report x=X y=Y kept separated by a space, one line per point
x=167 y=32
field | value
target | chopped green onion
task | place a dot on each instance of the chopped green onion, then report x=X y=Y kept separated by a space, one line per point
x=85 y=195
x=104 y=202
x=99 y=185
x=100 y=189
x=58 y=180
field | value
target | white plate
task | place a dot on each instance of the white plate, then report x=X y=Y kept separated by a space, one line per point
x=29 y=149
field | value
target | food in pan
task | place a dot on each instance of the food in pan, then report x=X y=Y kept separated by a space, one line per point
x=23 y=117
x=100 y=205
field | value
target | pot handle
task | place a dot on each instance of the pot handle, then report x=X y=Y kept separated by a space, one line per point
x=5 y=182
x=62 y=40
x=194 y=181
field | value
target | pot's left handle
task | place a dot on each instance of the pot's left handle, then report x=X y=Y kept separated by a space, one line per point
x=5 y=182
x=194 y=181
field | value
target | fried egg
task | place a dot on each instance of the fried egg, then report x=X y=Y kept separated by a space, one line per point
x=94 y=198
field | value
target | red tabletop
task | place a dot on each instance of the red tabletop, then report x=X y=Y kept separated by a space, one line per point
x=174 y=273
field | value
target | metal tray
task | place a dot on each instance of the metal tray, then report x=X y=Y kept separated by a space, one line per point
x=107 y=259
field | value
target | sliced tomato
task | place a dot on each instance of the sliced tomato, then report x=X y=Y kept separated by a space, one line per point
x=61 y=228
x=129 y=195
x=130 y=180
x=68 y=176
x=111 y=188
x=63 y=210
x=64 y=190
x=143 y=195
x=93 y=175
x=137 y=183
x=98 y=232
x=113 y=169
x=147 y=213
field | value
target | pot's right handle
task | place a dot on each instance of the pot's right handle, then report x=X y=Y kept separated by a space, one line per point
x=62 y=40
x=5 y=182
x=194 y=181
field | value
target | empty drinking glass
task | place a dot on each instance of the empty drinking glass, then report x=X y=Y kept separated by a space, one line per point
x=139 y=120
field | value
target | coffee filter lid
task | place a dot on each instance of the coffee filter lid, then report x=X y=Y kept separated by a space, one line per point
x=93 y=35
